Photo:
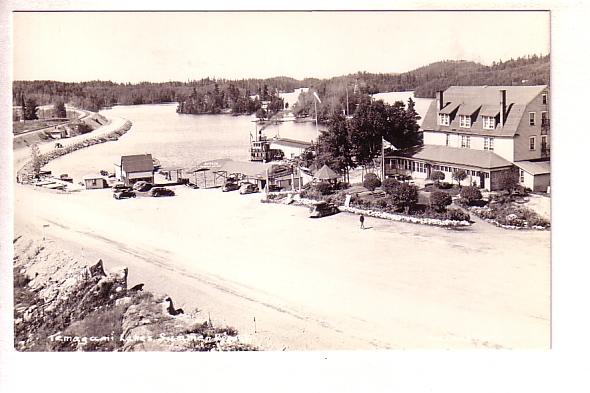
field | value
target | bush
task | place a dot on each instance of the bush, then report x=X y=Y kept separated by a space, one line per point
x=470 y=193
x=460 y=175
x=323 y=188
x=371 y=181
x=437 y=176
x=458 y=215
x=406 y=196
x=507 y=180
x=445 y=186
x=440 y=200
x=389 y=185
x=462 y=201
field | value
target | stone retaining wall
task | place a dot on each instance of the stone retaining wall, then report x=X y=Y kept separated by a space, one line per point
x=26 y=173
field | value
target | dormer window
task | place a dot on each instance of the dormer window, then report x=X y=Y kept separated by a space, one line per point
x=444 y=119
x=489 y=122
x=464 y=121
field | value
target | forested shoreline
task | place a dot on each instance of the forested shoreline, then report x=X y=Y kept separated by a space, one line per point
x=246 y=95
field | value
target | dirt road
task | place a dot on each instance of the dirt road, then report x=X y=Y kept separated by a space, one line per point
x=311 y=284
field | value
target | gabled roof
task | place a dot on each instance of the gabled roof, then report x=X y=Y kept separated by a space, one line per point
x=484 y=159
x=137 y=163
x=325 y=173
x=450 y=108
x=488 y=98
x=490 y=110
x=534 y=167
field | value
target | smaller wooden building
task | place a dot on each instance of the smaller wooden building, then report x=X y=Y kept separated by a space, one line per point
x=92 y=182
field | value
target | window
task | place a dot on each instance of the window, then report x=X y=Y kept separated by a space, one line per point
x=544 y=99
x=487 y=175
x=531 y=118
x=465 y=141
x=521 y=176
x=488 y=143
x=489 y=122
x=448 y=137
x=544 y=119
x=464 y=121
x=532 y=143
x=444 y=119
x=491 y=144
x=543 y=142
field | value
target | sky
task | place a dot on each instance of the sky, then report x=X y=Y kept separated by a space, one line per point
x=179 y=46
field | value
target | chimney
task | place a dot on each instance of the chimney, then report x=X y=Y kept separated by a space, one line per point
x=441 y=103
x=502 y=107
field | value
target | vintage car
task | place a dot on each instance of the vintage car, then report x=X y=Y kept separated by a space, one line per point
x=142 y=186
x=119 y=187
x=122 y=194
x=161 y=191
x=230 y=186
x=322 y=209
x=248 y=188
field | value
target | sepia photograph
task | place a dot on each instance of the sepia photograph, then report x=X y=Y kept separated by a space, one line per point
x=281 y=181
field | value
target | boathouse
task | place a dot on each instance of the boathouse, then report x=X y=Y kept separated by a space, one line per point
x=135 y=168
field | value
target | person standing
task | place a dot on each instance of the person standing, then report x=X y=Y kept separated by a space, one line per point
x=362 y=220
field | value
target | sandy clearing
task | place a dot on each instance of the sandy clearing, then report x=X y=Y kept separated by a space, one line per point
x=312 y=284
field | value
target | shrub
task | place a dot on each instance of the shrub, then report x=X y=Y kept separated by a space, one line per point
x=445 y=185
x=440 y=200
x=406 y=196
x=389 y=185
x=470 y=193
x=460 y=175
x=323 y=188
x=437 y=176
x=371 y=181
x=462 y=201
x=456 y=214
x=507 y=180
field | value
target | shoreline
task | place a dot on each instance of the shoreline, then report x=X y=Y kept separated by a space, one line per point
x=100 y=135
x=240 y=260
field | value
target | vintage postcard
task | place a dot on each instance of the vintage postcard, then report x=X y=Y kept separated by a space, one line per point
x=281 y=181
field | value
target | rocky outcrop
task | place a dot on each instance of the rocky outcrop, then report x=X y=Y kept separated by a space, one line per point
x=62 y=304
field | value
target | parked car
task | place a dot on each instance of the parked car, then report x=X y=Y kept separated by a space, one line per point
x=274 y=188
x=248 y=188
x=161 y=191
x=122 y=194
x=119 y=187
x=142 y=186
x=230 y=186
x=322 y=209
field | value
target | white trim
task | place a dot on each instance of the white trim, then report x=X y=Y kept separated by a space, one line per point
x=534 y=118
x=534 y=139
x=464 y=121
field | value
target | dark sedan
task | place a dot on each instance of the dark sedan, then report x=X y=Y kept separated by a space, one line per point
x=122 y=194
x=161 y=191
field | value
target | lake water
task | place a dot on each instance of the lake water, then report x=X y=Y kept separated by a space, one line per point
x=181 y=140
x=177 y=140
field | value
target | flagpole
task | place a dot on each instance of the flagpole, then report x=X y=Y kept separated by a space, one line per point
x=382 y=159
x=315 y=105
